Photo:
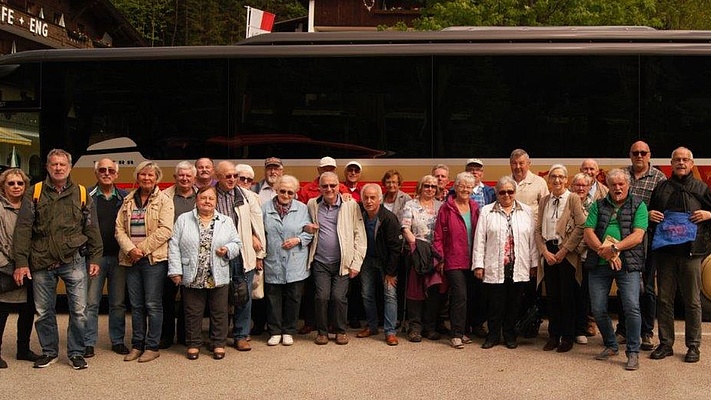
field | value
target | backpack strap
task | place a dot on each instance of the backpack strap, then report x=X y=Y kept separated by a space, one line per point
x=82 y=195
x=37 y=192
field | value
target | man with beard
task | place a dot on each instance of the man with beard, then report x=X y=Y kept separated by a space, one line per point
x=273 y=169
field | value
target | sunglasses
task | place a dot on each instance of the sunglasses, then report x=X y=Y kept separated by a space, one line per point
x=103 y=170
x=284 y=191
x=639 y=153
x=15 y=183
x=429 y=186
x=231 y=176
x=329 y=185
x=245 y=179
x=509 y=192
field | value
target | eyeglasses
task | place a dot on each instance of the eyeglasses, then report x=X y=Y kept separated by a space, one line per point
x=353 y=170
x=245 y=179
x=554 y=177
x=580 y=185
x=505 y=192
x=15 y=183
x=284 y=191
x=329 y=185
x=641 y=153
x=426 y=186
x=103 y=170
x=681 y=160
x=231 y=176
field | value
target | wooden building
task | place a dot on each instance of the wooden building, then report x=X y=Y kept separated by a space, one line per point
x=359 y=15
x=43 y=24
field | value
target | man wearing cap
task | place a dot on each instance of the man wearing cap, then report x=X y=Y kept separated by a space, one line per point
x=352 y=175
x=312 y=189
x=482 y=194
x=273 y=169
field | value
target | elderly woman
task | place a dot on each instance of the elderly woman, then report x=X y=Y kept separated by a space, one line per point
x=505 y=257
x=559 y=232
x=423 y=291
x=585 y=322
x=394 y=199
x=143 y=226
x=203 y=242
x=245 y=176
x=13 y=183
x=285 y=267
x=453 y=236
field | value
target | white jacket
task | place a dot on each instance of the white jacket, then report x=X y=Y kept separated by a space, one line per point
x=490 y=238
x=250 y=222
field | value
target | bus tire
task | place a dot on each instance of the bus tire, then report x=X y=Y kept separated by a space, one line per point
x=706 y=289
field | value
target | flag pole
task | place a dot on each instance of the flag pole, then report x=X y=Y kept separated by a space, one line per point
x=248 y=31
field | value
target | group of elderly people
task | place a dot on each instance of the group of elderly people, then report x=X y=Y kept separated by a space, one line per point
x=471 y=249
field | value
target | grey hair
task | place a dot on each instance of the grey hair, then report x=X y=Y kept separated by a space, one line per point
x=691 y=155
x=60 y=153
x=582 y=175
x=284 y=179
x=245 y=168
x=328 y=174
x=96 y=165
x=558 y=166
x=185 y=165
x=519 y=153
x=504 y=180
x=371 y=186
x=615 y=172
x=439 y=166
x=465 y=177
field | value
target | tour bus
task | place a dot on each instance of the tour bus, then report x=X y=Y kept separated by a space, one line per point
x=390 y=100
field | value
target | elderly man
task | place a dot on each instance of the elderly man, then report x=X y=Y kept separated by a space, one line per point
x=614 y=233
x=336 y=254
x=107 y=200
x=352 y=175
x=273 y=169
x=243 y=207
x=645 y=178
x=441 y=172
x=530 y=188
x=51 y=242
x=381 y=262
x=205 y=172
x=680 y=204
x=597 y=191
x=312 y=189
x=183 y=195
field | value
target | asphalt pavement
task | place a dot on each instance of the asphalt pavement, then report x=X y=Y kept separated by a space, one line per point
x=363 y=369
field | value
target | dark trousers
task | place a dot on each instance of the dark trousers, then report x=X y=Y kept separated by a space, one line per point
x=476 y=303
x=457 y=281
x=683 y=273
x=504 y=300
x=583 y=314
x=307 y=302
x=356 y=312
x=330 y=285
x=194 y=301
x=172 y=309
x=259 y=314
x=422 y=314
x=25 y=318
x=561 y=291
x=283 y=306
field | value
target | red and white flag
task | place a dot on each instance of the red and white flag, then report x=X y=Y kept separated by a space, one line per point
x=259 y=21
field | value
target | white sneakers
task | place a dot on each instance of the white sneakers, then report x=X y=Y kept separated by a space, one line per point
x=286 y=340
x=581 y=339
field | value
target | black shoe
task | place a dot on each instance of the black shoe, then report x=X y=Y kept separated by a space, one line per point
x=511 y=344
x=165 y=344
x=120 y=349
x=45 y=361
x=489 y=344
x=692 y=355
x=432 y=335
x=662 y=351
x=89 y=352
x=479 y=332
x=78 y=362
x=3 y=364
x=28 y=355
x=256 y=330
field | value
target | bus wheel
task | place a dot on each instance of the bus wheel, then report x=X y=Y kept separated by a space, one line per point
x=706 y=289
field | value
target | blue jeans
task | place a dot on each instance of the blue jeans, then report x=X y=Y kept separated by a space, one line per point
x=370 y=273
x=75 y=279
x=628 y=287
x=243 y=314
x=116 y=276
x=145 y=291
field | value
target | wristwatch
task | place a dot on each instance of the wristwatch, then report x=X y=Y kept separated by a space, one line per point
x=615 y=249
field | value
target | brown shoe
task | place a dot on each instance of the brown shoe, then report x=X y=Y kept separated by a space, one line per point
x=242 y=345
x=306 y=329
x=366 y=333
x=391 y=340
x=321 y=339
x=565 y=345
x=551 y=344
x=133 y=355
x=591 y=328
x=341 y=338
x=148 y=355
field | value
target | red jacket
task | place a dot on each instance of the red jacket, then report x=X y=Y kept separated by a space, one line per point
x=312 y=190
x=450 y=235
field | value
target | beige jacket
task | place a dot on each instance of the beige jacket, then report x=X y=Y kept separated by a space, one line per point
x=159 y=227
x=351 y=235
x=569 y=228
x=250 y=223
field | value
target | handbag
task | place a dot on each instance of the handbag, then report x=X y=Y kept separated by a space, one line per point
x=7 y=281
x=258 y=285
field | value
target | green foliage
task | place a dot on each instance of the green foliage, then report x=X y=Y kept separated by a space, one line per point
x=199 y=22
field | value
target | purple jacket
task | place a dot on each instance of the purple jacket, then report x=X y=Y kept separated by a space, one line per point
x=450 y=235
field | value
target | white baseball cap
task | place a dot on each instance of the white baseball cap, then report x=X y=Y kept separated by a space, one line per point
x=356 y=163
x=327 y=162
x=475 y=161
